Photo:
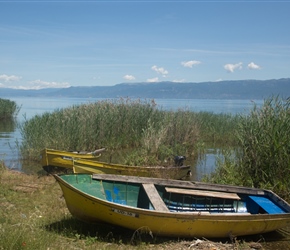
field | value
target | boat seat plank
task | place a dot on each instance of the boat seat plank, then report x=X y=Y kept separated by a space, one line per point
x=267 y=205
x=154 y=197
x=215 y=194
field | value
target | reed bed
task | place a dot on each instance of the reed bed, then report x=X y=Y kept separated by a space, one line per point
x=143 y=133
x=264 y=141
x=8 y=109
x=262 y=157
x=218 y=130
x=133 y=131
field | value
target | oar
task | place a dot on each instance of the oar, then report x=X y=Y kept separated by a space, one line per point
x=98 y=151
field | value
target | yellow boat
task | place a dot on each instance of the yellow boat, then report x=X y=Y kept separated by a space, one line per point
x=58 y=158
x=173 y=208
x=88 y=163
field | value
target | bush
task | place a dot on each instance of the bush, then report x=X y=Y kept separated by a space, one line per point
x=8 y=109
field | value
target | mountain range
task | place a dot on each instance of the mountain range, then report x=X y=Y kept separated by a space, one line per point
x=238 y=89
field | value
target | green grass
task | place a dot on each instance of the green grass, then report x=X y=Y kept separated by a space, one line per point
x=33 y=215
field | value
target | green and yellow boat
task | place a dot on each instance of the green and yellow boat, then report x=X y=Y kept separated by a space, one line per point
x=172 y=207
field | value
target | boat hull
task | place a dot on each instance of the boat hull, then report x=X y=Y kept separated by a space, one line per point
x=64 y=159
x=179 y=224
x=97 y=167
x=89 y=164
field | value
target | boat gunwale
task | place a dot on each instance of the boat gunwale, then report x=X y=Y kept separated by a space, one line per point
x=55 y=152
x=182 y=184
x=91 y=162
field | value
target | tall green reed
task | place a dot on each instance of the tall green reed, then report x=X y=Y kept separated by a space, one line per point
x=264 y=141
x=218 y=129
x=132 y=126
x=133 y=131
x=8 y=109
x=262 y=155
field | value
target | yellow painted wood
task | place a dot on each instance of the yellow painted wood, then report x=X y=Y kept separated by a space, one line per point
x=58 y=158
x=88 y=163
x=176 y=224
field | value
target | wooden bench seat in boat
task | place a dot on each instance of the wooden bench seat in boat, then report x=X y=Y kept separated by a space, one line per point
x=213 y=194
x=154 y=197
x=266 y=204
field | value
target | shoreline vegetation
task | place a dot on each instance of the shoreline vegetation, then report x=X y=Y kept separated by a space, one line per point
x=134 y=132
x=255 y=146
x=255 y=149
x=262 y=156
x=8 y=109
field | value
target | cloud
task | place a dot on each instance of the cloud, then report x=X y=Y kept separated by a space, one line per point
x=232 y=67
x=253 y=66
x=11 y=78
x=189 y=64
x=182 y=80
x=161 y=71
x=129 y=77
x=155 y=79
x=39 y=84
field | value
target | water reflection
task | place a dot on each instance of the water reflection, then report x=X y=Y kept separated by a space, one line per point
x=8 y=142
x=7 y=126
x=206 y=164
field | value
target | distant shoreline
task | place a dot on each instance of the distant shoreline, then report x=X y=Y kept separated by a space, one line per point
x=239 y=89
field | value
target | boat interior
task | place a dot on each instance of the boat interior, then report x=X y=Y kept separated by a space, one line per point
x=169 y=198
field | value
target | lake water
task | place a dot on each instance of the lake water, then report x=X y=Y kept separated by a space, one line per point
x=10 y=135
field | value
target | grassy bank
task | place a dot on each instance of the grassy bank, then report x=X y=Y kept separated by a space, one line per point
x=8 y=109
x=134 y=132
x=33 y=215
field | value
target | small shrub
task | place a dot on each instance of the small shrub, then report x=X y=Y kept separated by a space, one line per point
x=8 y=109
